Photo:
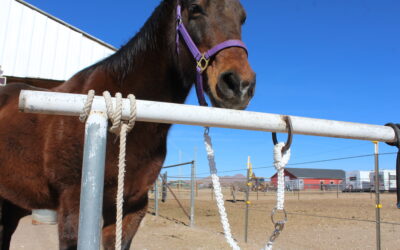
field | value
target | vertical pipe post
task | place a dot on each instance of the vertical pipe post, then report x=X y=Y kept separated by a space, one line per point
x=377 y=198
x=91 y=201
x=337 y=190
x=257 y=192
x=164 y=186
x=246 y=218
x=156 y=197
x=192 y=194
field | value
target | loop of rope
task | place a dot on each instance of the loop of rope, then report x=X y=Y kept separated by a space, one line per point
x=132 y=115
x=281 y=159
x=121 y=129
x=88 y=106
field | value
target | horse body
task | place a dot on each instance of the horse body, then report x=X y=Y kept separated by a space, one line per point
x=41 y=155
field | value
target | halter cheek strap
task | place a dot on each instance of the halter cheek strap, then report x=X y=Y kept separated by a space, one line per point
x=202 y=59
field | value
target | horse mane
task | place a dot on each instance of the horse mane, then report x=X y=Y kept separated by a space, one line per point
x=120 y=64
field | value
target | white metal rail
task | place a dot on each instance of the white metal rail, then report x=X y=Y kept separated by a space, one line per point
x=159 y=112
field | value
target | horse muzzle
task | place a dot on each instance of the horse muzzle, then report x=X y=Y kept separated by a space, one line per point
x=233 y=91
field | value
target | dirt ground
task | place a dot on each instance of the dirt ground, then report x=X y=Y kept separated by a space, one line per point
x=315 y=221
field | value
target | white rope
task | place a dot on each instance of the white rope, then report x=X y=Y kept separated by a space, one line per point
x=88 y=106
x=280 y=161
x=218 y=193
x=121 y=129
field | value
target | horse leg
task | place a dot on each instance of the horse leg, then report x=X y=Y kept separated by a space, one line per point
x=134 y=211
x=10 y=216
x=68 y=218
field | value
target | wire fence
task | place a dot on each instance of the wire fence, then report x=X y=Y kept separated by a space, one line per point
x=330 y=205
x=313 y=199
x=356 y=186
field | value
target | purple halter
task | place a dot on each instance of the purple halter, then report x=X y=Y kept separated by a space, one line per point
x=202 y=60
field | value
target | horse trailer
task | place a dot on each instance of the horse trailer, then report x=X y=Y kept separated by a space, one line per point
x=357 y=181
x=387 y=180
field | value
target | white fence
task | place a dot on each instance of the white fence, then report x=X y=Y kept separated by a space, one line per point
x=148 y=111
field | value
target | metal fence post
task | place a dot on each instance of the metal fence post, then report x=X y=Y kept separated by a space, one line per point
x=197 y=189
x=192 y=194
x=91 y=201
x=337 y=190
x=156 y=197
x=246 y=218
x=164 y=178
x=377 y=199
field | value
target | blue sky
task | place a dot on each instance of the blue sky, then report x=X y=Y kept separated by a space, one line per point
x=336 y=60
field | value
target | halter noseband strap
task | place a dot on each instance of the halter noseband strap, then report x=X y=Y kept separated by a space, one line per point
x=202 y=59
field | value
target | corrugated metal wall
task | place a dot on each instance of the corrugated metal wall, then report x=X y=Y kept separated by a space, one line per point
x=34 y=44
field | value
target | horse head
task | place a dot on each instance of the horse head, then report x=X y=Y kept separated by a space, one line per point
x=229 y=80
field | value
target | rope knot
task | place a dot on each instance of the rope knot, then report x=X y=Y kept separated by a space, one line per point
x=115 y=113
x=280 y=161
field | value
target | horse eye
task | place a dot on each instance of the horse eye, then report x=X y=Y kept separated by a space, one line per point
x=195 y=9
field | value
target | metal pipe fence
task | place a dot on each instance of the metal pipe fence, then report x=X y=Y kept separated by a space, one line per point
x=157 y=112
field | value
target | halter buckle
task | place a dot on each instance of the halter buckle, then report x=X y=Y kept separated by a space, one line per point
x=178 y=21
x=202 y=63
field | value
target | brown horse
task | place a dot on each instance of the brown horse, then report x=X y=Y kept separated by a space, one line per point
x=41 y=155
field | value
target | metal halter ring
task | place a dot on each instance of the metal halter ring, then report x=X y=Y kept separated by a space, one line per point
x=396 y=128
x=290 y=135
x=281 y=221
x=202 y=63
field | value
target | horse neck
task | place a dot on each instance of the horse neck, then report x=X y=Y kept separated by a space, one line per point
x=146 y=66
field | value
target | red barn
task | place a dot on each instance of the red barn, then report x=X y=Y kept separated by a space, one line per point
x=311 y=178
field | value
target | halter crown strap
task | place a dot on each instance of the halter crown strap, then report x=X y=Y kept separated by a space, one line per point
x=202 y=60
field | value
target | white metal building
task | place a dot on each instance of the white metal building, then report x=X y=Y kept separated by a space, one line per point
x=34 y=44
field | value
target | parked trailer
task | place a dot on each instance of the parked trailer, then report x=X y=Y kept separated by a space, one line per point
x=387 y=180
x=294 y=185
x=358 y=181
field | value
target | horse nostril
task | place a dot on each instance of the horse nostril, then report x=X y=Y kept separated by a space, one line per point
x=230 y=80
x=229 y=84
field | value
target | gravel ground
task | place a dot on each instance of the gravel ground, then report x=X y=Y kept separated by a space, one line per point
x=314 y=222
